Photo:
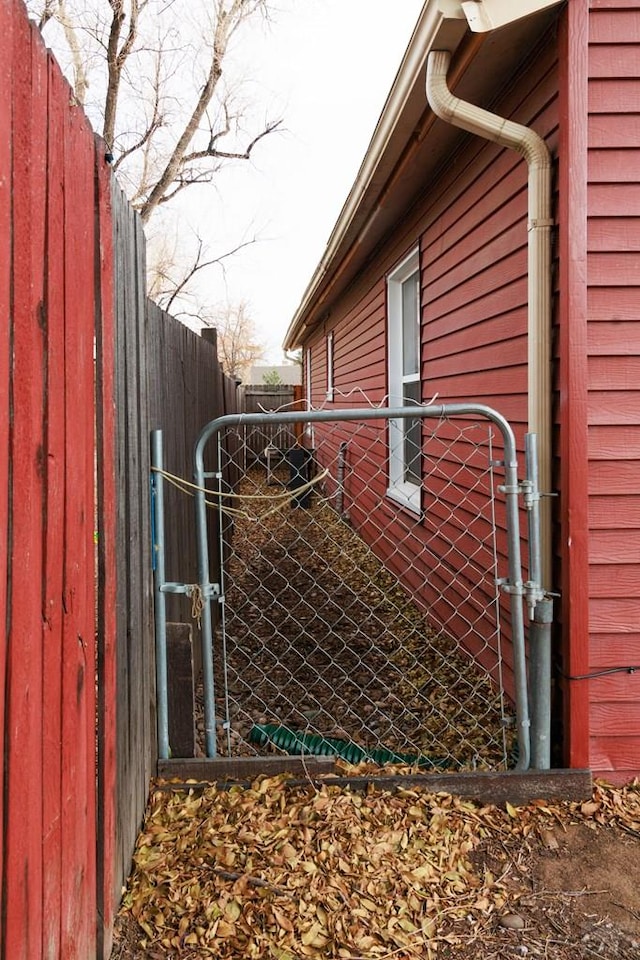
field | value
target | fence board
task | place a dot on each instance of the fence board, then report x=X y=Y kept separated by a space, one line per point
x=6 y=64
x=123 y=835
x=78 y=676
x=109 y=885
x=135 y=737
x=143 y=486
x=23 y=742
x=54 y=506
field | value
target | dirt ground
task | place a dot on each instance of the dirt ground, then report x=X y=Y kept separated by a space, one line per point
x=255 y=874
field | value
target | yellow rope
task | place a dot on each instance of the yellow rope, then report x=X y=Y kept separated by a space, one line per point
x=185 y=487
x=194 y=592
x=183 y=484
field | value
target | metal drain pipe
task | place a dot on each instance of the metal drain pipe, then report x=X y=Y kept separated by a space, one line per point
x=532 y=147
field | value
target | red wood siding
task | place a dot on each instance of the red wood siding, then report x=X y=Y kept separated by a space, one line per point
x=613 y=403
x=472 y=231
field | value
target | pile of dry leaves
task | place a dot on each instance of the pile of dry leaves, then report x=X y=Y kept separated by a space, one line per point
x=287 y=872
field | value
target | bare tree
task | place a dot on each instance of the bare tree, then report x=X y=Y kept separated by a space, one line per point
x=155 y=69
x=168 y=280
x=238 y=344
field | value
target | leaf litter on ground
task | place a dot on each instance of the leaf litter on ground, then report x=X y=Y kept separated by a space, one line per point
x=286 y=872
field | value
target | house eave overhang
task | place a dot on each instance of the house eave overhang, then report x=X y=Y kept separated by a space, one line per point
x=409 y=144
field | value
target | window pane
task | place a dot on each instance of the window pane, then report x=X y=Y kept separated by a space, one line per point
x=412 y=436
x=410 y=326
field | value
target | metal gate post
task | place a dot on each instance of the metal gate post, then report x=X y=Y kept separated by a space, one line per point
x=541 y=619
x=160 y=606
x=205 y=622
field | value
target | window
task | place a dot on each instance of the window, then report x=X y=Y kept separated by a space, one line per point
x=330 y=387
x=405 y=436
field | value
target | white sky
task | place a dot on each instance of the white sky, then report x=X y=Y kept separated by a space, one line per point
x=326 y=66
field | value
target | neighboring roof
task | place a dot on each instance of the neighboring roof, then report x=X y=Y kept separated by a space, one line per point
x=410 y=143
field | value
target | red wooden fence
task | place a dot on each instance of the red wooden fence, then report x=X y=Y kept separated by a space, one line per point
x=80 y=369
x=47 y=504
x=47 y=211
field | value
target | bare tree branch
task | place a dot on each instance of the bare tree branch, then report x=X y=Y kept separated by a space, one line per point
x=48 y=12
x=228 y=155
x=175 y=160
x=227 y=23
x=202 y=265
x=80 y=81
x=154 y=123
x=164 y=135
x=116 y=58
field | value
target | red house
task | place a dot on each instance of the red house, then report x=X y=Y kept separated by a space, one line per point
x=513 y=233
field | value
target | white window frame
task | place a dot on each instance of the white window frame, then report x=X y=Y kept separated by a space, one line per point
x=330 y=384
x=307 y=375
x=402 y=490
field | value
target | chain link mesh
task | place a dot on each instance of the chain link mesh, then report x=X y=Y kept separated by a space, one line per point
x=351 y=623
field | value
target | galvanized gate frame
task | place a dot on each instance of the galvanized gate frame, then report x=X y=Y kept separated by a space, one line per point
x=519 y=591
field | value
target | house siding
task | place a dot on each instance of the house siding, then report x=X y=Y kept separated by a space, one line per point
x=613 y=407
x=471 y=228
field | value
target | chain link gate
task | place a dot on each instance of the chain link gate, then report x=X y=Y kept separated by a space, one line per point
x=348 y=619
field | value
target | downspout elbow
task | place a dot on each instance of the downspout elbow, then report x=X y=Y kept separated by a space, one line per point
x=476 y=120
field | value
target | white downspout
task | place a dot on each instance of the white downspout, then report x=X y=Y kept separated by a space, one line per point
x=517 y=137
x=533 y=148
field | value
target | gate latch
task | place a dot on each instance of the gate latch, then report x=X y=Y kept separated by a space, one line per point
x=209 y=591
x=515 y=589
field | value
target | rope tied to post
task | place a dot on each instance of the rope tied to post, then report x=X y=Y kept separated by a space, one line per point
x=281 y=500
x=194 y=593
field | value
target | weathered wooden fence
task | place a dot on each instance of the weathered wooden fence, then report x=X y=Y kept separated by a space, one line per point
x=187 y=389
x=127 y=685
x=260 y=399
x=86 y=366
